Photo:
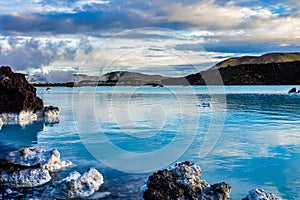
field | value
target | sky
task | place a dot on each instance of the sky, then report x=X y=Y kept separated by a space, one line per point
x=171 y=38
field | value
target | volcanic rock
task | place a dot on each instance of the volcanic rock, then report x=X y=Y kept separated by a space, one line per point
x=51 y=112
x=78 y=186
x=182 y=181
x=16 y=176
x=16 y=93
x=49 y=160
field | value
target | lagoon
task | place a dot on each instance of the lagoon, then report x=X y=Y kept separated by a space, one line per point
x=248 y=136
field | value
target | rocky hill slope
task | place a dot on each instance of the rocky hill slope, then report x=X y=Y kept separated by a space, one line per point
x=282 y=73
x=263 y=59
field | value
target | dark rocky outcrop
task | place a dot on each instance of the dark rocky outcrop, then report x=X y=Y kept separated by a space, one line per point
x=293 y=90
x=182 y=181
x=19 y=102
x=284 y=73
x=16 y=94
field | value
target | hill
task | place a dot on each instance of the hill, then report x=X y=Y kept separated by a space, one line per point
x=263 y=59
x=282 y=73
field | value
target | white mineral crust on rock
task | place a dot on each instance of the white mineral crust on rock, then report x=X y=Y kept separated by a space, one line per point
x=76 y=185
x=49 y=160
x=31 y=177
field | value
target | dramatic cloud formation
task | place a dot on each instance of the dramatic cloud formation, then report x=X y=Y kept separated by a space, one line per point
x=54 y=76
x=26 y=52
x=89 y=35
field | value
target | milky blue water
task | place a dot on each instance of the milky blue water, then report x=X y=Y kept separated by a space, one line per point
x=249 y=136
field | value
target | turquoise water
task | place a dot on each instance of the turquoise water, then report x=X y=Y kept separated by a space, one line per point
x=248 y=137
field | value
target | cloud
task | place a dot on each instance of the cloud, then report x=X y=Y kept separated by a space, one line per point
x=53 y=76
x=260 y=24
x=297 y=2
x=52 y=33
x=28 y=53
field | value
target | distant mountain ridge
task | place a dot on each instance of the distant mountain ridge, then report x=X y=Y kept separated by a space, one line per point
x=263 y=59
x=282 y=73
x=267 y=69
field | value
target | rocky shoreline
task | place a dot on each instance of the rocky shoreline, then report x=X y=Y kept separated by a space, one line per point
x=28 y=169
x=33 y=167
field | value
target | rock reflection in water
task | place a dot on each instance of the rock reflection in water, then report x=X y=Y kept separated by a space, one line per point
x=16 y=136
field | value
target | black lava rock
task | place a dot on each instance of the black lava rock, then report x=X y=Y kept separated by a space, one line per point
x=16 y=93
x=182 y=182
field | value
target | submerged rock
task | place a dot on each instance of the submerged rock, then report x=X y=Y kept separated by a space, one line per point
x=293 y=90
x=16 y=176
x=100 y=195
x=182 y=181
x=76 y=185
x=260 y=194
x=49 y=160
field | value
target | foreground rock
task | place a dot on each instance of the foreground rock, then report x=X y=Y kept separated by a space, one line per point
x=259 y=194
x=182 y=181
x=78 y=186
x=16 y=176
x=49 y=160
x=30 y=167
x=19 y=102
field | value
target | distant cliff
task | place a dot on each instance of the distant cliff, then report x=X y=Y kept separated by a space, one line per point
x=282 y=73
x=263 y=59
x=267 y=69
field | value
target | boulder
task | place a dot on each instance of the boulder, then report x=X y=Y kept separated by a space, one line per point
x=260 y=194
x=51 y=112
x=16 y=176
x=16 y=93
x=77 y=185
x=49 y=160
x=182 y=181
x=19 y=102
x=26 y=178
x=293 y=90
x=51 y=115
